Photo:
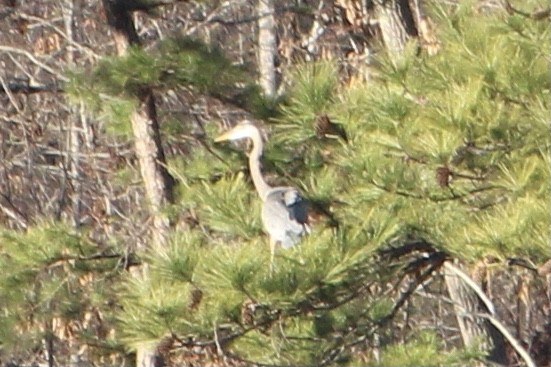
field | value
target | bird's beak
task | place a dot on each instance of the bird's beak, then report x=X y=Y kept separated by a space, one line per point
x=223 y=137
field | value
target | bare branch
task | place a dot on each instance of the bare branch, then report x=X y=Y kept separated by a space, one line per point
x=472 y=284
x=31 y=57
x=12 y=212
x=28 y=87
x=537 y=15
x=514 y=342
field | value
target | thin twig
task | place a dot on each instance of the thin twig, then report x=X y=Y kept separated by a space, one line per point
x=7 y=90
x=31 y=57
x=68 y=38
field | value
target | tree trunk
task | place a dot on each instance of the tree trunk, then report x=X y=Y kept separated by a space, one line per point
x=267 y=47
x=401 y=20
x=475 y=331
x=72 y=159
x=397 y=24
x=72 y=163
x=158 y=182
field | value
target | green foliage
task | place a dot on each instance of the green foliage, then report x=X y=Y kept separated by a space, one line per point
x=426 y=350
x=226 y=207
x=184 y=61
x=445 y=143
x=56 y=280
x=313 y=90
x=453 y=149
x=113 y=88
x=232 y=272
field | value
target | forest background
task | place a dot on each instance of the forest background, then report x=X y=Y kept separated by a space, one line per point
x=418 y=131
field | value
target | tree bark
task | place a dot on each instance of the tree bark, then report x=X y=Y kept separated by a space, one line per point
x=476 y=331
x=158 y=182
x=72 y=160
x=267 y=47
x=397 y=24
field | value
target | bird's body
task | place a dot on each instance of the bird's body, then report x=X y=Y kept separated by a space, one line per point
x=285 y=216
x=284 y=212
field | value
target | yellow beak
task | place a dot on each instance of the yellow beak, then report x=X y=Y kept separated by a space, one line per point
x=223 y=137
x=226 y=136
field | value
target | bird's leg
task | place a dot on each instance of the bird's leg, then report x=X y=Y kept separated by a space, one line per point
x=272 y=255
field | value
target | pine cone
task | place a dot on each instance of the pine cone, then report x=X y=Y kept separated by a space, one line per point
x=443 y=176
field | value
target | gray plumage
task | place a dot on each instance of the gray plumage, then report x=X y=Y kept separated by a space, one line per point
x=285 y=216
x=284 y=212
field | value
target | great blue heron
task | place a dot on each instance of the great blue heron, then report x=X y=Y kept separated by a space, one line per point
x=284 y=212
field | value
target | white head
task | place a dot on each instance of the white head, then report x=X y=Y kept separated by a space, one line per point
x=245 y=129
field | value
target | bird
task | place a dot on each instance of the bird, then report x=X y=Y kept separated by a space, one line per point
x=284 y=210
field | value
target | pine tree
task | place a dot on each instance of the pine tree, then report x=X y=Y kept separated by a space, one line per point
x=62 y=289
x=121 y=89
x=444 y=157
x=446 y=154
x=58 y=290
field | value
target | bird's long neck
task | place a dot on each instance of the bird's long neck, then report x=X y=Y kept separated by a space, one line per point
x=254 y=165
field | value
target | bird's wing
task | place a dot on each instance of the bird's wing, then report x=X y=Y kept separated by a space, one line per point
x=285 y=215
x=298 y=210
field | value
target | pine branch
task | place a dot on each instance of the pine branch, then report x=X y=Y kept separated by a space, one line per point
x=11 y=211
x=34 y=60
x=434 y=262
x=99 y=256
x=397 y=191
x=536 y=15
x=29 y=87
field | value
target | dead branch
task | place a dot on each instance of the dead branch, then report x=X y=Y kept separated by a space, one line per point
x=34 y=60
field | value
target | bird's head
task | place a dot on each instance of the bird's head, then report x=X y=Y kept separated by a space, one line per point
x=244 y=129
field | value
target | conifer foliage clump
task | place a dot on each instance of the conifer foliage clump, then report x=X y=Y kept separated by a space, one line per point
x=433 y=158
x=446 y=154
